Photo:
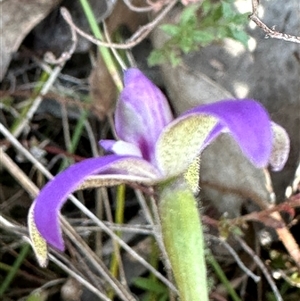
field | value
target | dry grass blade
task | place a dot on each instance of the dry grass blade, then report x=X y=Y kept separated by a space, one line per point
x=261 y=266
x=283 y=233
x=26 y=183
x=236 y=257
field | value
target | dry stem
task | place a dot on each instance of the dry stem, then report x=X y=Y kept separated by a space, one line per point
x=270 y=32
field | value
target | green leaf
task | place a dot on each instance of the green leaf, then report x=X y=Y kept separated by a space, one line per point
x=186 y=44
x=206 y=7
x=237 y=231
x=156 y=57
x=184 y=242
x=40 y=296
x=170 y=29
x=203 y=37
x=227 y=10
x=174 y=58
x=239 y=35
x=216 y=14
x=151 y=285
x=222 y=276
x=223 y=32
x=218 y=20
x=240 y=19
x=188 y=14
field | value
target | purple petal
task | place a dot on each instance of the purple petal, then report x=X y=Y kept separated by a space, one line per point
x=141 y=113
x=55 y=193
x=247 y=121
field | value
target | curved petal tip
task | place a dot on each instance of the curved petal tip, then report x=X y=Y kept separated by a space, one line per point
x=281 y=147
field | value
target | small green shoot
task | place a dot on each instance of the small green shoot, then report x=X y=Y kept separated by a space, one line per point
x=199 y=26
x=153 y=288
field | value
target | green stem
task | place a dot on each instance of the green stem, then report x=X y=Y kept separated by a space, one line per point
x=78 y=131
x=105 y=52
x=13 y=271
x=183 y=237
x=36 y=91
x=75 y=137
x=119 y=219
x=154 y=259
x=221 y=275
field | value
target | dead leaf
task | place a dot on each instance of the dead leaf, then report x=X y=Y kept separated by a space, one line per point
x=18 y=18
x=102 y=89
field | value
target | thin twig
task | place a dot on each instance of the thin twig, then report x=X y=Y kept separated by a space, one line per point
x=294 y=201
x=155 y=224
x=136 y=8
x=295 y=186
x=122 y=243
x=78 y=278
x=159 y=237
x=235 y=256
x=90 y=255
x=288 y=240
x=135 y=39
x=118 y=227
x=98 y=193
x=270 y=32
x=66 y=55
x=47 y=285
x=281 y=274
x=116 y=248
x=283 y=233
x=5 y=223
x=261 y=266
x=160 y=242
x=37 y=101
x=33 y=190
x=66 y=127
x=113 y=50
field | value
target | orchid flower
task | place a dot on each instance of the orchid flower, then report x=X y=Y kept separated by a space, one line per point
x=153 y=148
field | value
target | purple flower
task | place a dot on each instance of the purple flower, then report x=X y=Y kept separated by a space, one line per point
x=153 y=147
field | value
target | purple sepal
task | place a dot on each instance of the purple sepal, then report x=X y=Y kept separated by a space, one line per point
x=141 y=113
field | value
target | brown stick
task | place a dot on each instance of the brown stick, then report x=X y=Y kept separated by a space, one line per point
x=270 y=32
